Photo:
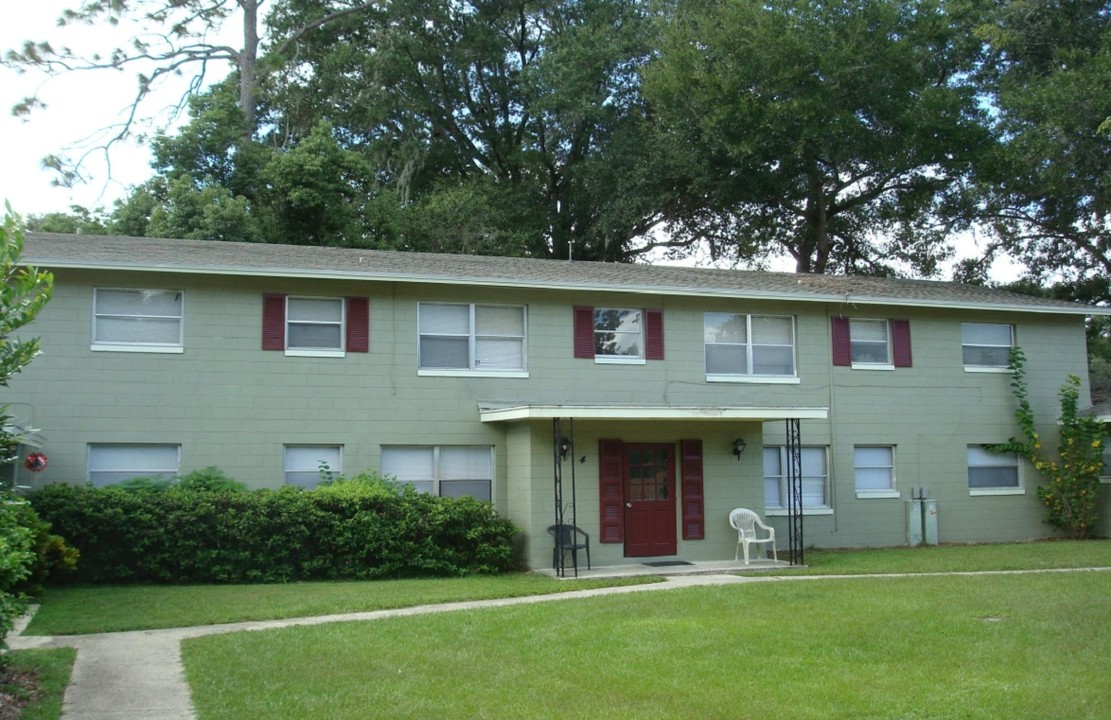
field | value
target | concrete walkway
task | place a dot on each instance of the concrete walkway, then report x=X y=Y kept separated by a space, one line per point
x=139 y=675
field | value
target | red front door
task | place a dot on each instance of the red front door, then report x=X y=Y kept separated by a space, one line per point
x=649 y=500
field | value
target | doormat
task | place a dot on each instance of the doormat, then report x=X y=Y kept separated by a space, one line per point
x=667 y=563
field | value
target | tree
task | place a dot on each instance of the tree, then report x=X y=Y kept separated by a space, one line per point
x=529 y=110
x=173 y=38
x=1048 y=187
x=841 y=133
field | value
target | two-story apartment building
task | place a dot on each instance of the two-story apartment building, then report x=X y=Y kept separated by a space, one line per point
x=659 y=397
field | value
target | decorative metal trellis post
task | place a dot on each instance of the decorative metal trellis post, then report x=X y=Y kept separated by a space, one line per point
x=559 y=454
x=794 y=490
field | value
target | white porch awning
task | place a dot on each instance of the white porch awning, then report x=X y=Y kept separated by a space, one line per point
x=517 y=413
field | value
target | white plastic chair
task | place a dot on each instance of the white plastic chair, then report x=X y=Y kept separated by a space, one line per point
x=745 y=522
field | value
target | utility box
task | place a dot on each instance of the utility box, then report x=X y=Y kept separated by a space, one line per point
x=929 y=521
x=914 y=523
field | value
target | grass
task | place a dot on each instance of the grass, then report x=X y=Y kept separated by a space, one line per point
x=1041 y=555
x=51 y=668
x=69 y=611
x=968 y=647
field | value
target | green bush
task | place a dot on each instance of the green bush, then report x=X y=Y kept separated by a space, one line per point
x=362 y=528
x=17 y=557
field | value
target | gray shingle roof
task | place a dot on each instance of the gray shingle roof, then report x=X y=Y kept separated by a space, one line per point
x=48 y=250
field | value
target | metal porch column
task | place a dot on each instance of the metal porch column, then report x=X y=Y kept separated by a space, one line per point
x=794 y=490
x=560 y=508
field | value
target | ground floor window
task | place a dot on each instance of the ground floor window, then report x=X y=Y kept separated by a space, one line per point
x=445 y=470
x=991 y=472
x=815 y=477
x=1105 y=476
x=874 y=470
x=308 y=465
x=109 y=464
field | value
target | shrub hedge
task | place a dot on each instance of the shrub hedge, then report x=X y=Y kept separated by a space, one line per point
x=349 y=530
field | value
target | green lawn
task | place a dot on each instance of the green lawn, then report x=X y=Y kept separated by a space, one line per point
x=52 y=668
x=69 y=611
x=967 y=647
x=958 y=558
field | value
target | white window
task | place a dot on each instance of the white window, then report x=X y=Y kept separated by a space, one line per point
x=815 y=478
x=307 y=465
x=874 y=471
x=870 y=342
x=477 y=338
x=986 y=345
x=314 y=324
x=618 y=334
x=1105 y=475
x=749 y=345
x=448 y=471
x=991 y=473
x=138 y=320
x=111 y=463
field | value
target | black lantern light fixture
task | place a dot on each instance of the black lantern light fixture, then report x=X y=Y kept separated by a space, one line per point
x=564 y=448
x=739 y=446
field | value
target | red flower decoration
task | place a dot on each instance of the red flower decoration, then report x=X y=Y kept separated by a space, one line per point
x=35 y=462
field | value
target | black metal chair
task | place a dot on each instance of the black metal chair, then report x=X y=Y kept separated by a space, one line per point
x=567 y=540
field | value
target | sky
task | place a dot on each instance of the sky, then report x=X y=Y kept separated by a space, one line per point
x=78 y=106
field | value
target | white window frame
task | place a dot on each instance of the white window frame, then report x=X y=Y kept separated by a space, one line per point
x=131 y=346
x=603 y=358
x=888 y=363
x=891 y=490
x=296 y=453
x=437 y=470
x=474 y=368
x=749 y=345
x=133 y=469
x=998 y=460
x=305 y=351
x=1105 y=474
x=972 y=368
x=781 y=509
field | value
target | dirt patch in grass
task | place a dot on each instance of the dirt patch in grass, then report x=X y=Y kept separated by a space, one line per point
x=18 y=688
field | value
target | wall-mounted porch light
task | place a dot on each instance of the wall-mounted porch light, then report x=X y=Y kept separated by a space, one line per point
x=739 y=446
x=564 y=448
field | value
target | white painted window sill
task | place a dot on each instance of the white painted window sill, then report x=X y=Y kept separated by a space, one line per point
x=445 y=372
x=619 y=361
x=782 y=512
x=984 y=492
x=872 y=366
x=752 y=379
x=877 y=494
x=986 y=370
x=105 y=347
x=315 y=353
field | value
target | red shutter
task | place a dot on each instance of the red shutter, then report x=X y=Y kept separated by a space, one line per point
x=273 y=322
x=653 y=334
x=358 y=324
x=842 y=349
x=611 y=482
x=694 y=504
x=584 y=332
x=900 y=342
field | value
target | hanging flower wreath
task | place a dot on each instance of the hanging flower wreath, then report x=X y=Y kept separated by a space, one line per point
x=35 y=462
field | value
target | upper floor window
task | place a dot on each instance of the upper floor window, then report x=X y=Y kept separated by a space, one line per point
x=138 y=320
x=111 y=463
x=986 y=345
x=480 y=338
x=448 y=471
x=307 y=465
x=314 y=323
x=991 y=473
x=815 y=478
x=749 y=345
x=629 y=335
x=323 y=327
x=871 y=344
